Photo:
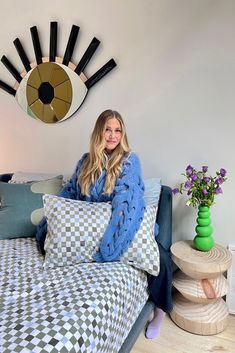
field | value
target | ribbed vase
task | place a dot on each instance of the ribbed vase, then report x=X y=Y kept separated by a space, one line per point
x=203 y=240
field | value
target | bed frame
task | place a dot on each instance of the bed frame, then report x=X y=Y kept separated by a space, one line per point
x=164 y=220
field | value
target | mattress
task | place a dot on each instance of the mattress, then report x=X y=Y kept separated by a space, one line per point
x=89 y=307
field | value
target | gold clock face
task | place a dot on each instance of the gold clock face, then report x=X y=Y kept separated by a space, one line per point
x=51 y=92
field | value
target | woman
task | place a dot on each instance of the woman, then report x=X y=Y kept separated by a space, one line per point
x=111 y=172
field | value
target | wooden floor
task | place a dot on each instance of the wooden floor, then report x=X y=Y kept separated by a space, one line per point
x=173 y=339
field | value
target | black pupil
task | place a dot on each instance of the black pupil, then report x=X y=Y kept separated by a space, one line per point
x=46 y=93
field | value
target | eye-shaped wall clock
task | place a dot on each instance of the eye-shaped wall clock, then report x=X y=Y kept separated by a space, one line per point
x=51 y=89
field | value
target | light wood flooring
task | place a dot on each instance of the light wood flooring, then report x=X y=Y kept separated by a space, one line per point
x=173 y=339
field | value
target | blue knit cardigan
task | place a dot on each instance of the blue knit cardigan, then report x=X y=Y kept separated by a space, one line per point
x=127 y=207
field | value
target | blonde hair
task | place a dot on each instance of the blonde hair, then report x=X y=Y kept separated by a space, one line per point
x=98 y=159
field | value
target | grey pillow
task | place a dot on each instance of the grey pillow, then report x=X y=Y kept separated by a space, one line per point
x=75 y=229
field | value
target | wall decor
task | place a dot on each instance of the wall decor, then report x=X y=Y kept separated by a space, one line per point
x=51 y=89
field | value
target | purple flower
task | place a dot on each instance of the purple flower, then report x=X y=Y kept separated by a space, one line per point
x=189 y=170
x=188 y=184
x=218 y=191
x=206 y=179
x=175 y=191
x=222 y=172
x=200 y=187
x=219 y=180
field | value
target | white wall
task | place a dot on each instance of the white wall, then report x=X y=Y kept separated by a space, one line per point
x=174 y=86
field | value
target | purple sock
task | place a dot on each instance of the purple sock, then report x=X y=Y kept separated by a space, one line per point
x=153 y=328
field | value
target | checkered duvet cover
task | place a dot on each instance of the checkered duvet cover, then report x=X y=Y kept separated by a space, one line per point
x=89 y=307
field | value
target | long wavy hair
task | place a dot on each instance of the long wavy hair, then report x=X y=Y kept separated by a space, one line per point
x=98 y=158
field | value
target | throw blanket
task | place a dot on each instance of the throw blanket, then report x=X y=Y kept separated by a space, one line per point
x=127 y=207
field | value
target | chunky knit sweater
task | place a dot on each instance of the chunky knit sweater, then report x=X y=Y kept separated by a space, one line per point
x=127 y=207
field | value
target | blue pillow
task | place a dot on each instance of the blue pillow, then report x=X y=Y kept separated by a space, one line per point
x=21 y=206
x=156 y=229
x=152 y=194
x=152 y=191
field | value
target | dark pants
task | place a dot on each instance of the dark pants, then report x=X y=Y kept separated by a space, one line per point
x=160 y=287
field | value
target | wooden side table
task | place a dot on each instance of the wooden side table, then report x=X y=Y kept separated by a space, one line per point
x=198 y=306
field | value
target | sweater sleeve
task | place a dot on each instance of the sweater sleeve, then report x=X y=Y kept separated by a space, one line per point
x=127 y=212
x=70 y=191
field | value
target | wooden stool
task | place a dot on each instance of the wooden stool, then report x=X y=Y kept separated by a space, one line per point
x=198 y=306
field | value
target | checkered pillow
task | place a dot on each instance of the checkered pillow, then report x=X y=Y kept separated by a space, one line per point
x=75 y=229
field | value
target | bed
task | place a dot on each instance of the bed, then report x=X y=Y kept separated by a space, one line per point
x=88 y=307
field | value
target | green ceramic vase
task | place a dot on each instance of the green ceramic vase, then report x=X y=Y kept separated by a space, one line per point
x=203 y=240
